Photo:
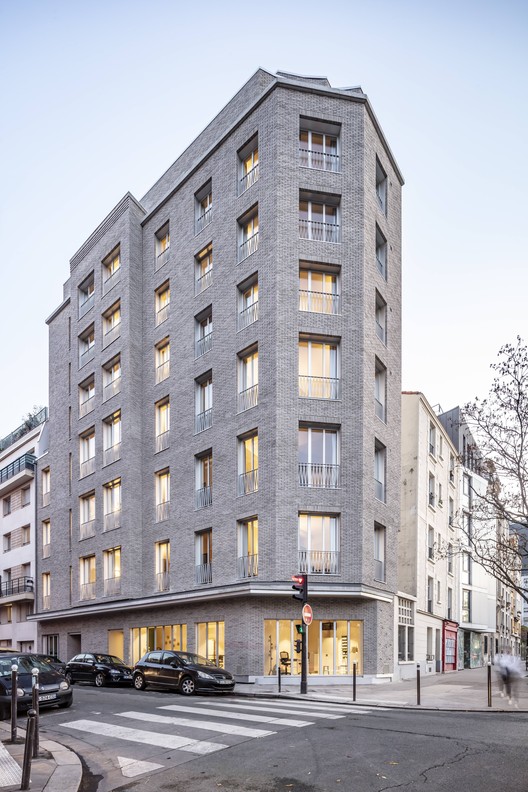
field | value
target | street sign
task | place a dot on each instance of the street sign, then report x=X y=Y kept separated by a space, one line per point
x=307 y=614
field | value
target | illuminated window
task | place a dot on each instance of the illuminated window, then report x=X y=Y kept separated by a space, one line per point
x=203 y=265
x=112 y=571
x=111 y=270
x=162 y=246
x=162 y=494
x=87 y=577
x=162 y=300
x=248 y=463
x=162 y=559
x=247 y=379
x=318 y=369
x=318 y=145
x=111 y=324
x=162 y=420
x=248 y=234
x=203 y=201
x=162 y=360
x=249 y=165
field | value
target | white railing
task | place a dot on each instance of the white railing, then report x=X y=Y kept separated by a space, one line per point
x=319 y=562
x=203 y=344
x=112 y=334
x=162 y=314
x=203 y=573
x=163 y=581
x=320 y=160
x=319 y=302
x=248 y=179
x=203 y=220
x=86 y=356
x=162 y=511
x=112 y=388
x=112 y=520
x=162 y=441
x=86 y=406
x=46 y=498
x=247 y=398
x=87 y=591
x=247 y=566
x=314 y=474
x=379 y=408
x=317 y=231
x=111 y=281
x=248 y=482
x=319 y=387
x=87 y=467
x=87 y=529
x=379 y=490
x=162 y=258
x=112 y=586
x=86 y=305
x=248 y=247
x=162 y=371
x=203 y=421
x=248 y=315
x=112 y=454
x=203 y=282
x=203 y=497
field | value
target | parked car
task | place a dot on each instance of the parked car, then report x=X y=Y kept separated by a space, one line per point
x=54 y=689
x=186 y=672
x=52 y=661
x=100 y=669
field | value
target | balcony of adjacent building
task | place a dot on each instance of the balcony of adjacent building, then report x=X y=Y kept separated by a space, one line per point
x=17 y=590
x=17 y=473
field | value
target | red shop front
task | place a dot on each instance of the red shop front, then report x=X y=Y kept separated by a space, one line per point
x=449 y=645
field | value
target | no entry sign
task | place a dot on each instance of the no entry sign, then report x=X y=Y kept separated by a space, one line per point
x=307 y=614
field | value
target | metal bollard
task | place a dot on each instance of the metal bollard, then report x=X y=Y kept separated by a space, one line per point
x=354 y=671
x=279 y=678
x=489 y=683
x=35 y=703
x=28 y=750
x=14 y=688
x=418 y=683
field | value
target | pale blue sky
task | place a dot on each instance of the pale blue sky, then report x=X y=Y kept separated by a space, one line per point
x=99 y=98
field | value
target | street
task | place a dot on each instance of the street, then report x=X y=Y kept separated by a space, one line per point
x=163 y=741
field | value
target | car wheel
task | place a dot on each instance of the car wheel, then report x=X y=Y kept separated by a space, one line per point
x=139 y=682
x=66 y=704
x=187 y=686
x=68 y=677
x=99 y=680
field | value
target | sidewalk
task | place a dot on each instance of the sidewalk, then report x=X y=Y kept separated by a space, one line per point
x=56 y=769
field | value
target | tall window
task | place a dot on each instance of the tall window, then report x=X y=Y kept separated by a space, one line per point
x=449 y=603
x=379 y=552
x=112 y=438
x=249 y=165
x=318 y=149
x=319 y=221
x=162 y=303
x=430 y=543
x=204 y=403
x=46 y=486
x=466 y=605
x=204 y=556
x=112 y=505
x=111 y=324
x=381 y=253
x=87 y=515
x=86 y=295
x=318 y=544
x=162 y=241
x=318 y=369
x=162 y=557
x=204 y=333
x=162 y=493
x=380 y=463
x=381 y=187
x=430 y=595
x=432 y=490
x=87 y=453
x=381 y=318
x=86 y=397
x=46 y=590
x=318 y=291
x=247 y=379
x=380 y=390
x=86 y=346
x=247 y=304
x=248 y=464
x=318 y=457
x=46 y=538
x=87 y=577
x=248 y=227
x=112 y=572
x=204 y=480
x=162 y=360
x=111 y=270
x=204 y=207
x=247 y=543
x=203 y=269
x=432 y=439
x=405 y=630
x=162 y=419
x=112 y=378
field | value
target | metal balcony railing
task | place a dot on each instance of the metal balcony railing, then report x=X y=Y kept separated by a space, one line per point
x=203 y=421
x=162 y=371
x=248 y=179
x=379 y=409
x=320 y=160
x=379 y=490
x=112 y=586
x=247 y=398
x=247 y=566
x=85 y=306
x=111 y=281
x=319 y=562
x=87 y=591
x=203 y=573
x=112 y=388
x=203 y=281
x=112 y=454
x=87 y=529
x=248 y=482
x=86 y=355
x=112 y=520
x=319 y=302
x=162 y=511
x=203 y=345
x=318 y=475
x=87 y=467
x=111 y=334
x=162 y=258
x=86 y=406
x=317 y=231
x=203 y=220
x=319 y=387
x=248 y=246
x=19 y=585
x=25 y=462
x=203 y=497
x=162 y=441
x=248 y=315
x=162 y=314
x=163 y=581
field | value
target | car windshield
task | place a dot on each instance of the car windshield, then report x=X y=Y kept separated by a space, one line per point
x=25 y=664
x=188 y=658
x=108 y=659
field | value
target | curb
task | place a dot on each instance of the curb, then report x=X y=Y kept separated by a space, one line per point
x=62 y=772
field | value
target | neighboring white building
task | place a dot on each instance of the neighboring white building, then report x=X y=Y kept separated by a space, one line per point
x=427 y=610
x=18 y=452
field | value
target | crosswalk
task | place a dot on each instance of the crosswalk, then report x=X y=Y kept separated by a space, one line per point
x=201 y=727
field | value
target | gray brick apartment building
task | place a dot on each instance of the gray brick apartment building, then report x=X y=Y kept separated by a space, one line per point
x=192 y=471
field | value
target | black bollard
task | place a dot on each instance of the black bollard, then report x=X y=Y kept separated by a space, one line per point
x=418 y=683
x=35 y=703
x=354 y=671
x=14 y=687
x=28 y=750
x=489 y=683
x=279 y=678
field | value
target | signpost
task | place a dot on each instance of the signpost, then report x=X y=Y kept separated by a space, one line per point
x=300 y=586
x=307 y=614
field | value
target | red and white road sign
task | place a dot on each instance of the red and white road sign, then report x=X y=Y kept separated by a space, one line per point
x=307 y=614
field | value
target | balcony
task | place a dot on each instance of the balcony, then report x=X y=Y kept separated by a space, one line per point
x=162 y=581
x=162 y=511
x=319 y=302
x=248 y=247
x=162 y=371
x=203 y=497
x=203 y=573
x=86 y=406
x=112 y=454
x=87 y=355
x=248 y=179
x=318 y=475
x=111 y=281
x=203 y=220
x=85 y=306
x=17 y=473
x=162 y=441
x=203 y=282
x=247 y=399
x=87 y=467
x=46 y=498
x=317 y=231
x=247 y=566
x=203 y=421
x=112 y=520
x=162 y=258
x=18 y=588
x=319 y=160
x=87 y=529
x=87 y=591
x=248 y=482
x=112 y=388
x=112 y=587
x=319 y=387
x=319 y=562
x=247 y=316
x=203 y=345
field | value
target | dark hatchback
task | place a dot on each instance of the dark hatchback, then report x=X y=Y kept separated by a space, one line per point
x=184 y=671
x=54 y=690
x=100 y=669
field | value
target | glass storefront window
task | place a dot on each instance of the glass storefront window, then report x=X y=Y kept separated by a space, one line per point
x=333 y=646
x=210 y=641
x=148 y=639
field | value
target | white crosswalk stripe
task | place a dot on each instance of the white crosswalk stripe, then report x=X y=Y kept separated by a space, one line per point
x=206 y=725
x=212 y=713
x=287 y=710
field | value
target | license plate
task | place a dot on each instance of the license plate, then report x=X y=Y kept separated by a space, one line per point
x=224 y=681
x=47 y=697
x=127 y=676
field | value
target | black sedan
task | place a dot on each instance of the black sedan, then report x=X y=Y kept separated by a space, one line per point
x=186 y=672
x=52 y=661
x=54 y=690
x=100 y=669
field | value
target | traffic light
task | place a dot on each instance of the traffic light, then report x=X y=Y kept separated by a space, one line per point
x=300 y=586
x=298 y=645
x=299 y=628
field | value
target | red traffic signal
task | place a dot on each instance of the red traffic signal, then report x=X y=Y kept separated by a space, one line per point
x=300 y=586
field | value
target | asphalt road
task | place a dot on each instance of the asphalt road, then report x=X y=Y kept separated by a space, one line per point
x=163 y=742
